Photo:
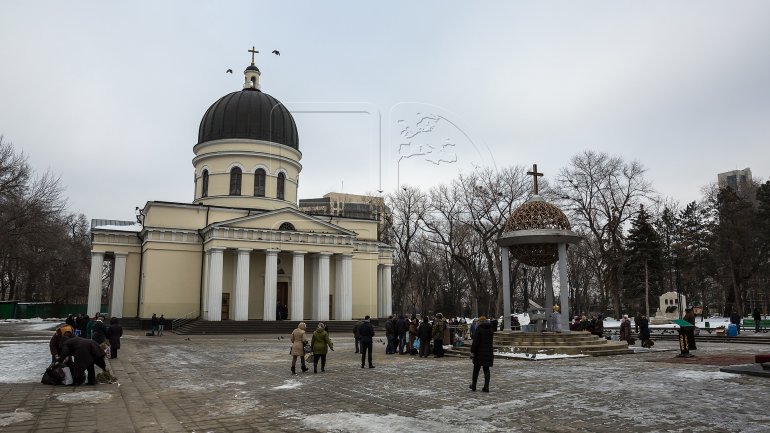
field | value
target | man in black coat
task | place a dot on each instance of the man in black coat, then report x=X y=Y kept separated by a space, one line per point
x=482 y=352
x=356 y=337
x=424 y=333
x=366 y=334
x=87 y=353
x=757 y=316
x=390 y=335
x=402 y=325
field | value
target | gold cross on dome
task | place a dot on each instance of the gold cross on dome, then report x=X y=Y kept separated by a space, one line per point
x=535 y=175
x=253 y=51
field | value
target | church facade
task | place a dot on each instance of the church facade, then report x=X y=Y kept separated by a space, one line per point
x=242 y=250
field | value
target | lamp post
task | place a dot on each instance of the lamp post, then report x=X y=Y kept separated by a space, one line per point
x=678 y=289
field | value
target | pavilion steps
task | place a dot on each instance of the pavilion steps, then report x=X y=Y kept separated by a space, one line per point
x=229 y=327
x=573 y=343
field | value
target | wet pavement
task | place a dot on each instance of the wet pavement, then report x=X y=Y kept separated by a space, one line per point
x=244 y=384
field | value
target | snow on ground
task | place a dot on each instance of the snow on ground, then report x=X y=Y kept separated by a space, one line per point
x=289 y=384
x=700 y=375
x=83 y=397
x=19 y=415
x=23 y=362
x=536 y=356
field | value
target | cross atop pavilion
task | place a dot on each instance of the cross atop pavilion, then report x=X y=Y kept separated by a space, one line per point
x=253 y=51
x=535 y=175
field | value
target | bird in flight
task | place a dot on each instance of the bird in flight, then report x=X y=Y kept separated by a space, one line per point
x=276 y=52
x=229 y=71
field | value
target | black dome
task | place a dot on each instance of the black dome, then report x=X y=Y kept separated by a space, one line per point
x=249 y=114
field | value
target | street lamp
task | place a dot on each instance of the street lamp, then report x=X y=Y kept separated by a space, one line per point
x=678 y=289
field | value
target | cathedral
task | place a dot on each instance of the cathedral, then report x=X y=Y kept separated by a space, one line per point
x=242 y=250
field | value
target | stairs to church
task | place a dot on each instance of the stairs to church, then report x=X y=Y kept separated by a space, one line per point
x=230 y=327
x=572 y=343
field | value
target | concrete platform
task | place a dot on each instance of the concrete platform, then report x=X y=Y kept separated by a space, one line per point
x=750 y=369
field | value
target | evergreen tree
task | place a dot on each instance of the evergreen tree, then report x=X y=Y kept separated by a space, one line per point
x=644 y=261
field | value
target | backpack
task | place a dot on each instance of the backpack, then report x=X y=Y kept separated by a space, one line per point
x=54 y=375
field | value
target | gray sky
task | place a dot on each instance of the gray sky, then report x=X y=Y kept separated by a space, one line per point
x=110 y=95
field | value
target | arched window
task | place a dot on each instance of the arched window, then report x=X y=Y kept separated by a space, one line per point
x=205 y=183
x=287 y=227
x=259 y=183
x=235 y=181
x=281 y=186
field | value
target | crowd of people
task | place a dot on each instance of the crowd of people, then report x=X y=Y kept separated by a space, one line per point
x=82 y=343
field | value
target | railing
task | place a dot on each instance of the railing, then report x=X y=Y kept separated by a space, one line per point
x=187 y=318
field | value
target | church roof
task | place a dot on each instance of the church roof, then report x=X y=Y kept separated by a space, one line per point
x=249 y=114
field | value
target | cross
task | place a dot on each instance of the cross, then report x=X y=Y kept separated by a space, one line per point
x=252 y=51
x=534 y=174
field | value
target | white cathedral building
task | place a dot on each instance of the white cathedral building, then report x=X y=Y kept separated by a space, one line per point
x=242 y=247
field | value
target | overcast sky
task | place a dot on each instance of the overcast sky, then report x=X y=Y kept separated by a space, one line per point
x=110 y=96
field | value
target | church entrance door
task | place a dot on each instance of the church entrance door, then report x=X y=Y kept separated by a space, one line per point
x=225 y=306
x=283 y=300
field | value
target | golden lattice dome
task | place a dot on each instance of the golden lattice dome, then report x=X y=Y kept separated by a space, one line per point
x=536 y=214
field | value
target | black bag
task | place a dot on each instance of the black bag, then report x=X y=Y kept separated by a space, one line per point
x=54 y=375
x=306 y=347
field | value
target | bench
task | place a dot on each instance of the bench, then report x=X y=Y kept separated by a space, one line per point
x=749 y=325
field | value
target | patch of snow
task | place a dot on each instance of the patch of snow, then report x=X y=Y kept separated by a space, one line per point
x=84 y=397
x=358 y=422
x=700 y=375
x=136 y=227
x=24 y=362
x=19 y=415
x=289 y=384
x=537 y=356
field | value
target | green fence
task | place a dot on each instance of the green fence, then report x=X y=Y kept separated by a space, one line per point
x=28 y=310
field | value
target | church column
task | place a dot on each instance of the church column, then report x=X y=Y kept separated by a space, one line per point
x=118 y=285
x=380 y=294
x=297 y=311
x=563 y=288
x=322 y=308
x=241 y=295
x=314 y=283
x=95 y=283
x=548 y=295
x=205 y=288
x=347 y=288
x=387 y=290
x=506 y=288
x=271 y=285
x=215 y=284
x=338 y=287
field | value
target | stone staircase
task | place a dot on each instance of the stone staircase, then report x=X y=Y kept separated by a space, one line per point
x=548 y=343
x=230 y=327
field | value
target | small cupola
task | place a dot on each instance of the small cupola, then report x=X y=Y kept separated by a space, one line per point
x=251 y=74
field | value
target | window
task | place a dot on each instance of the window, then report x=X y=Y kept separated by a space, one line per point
x=281 y=186
x=287 y=227
x=259 y=183
x=235 y=181
x=205 y=184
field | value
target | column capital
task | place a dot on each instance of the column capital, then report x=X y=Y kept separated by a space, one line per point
x=244 y=250
x=325 y=253
x=120 y=254
x=216 y=249
x=299 y=253
x=272 y=251
x=347 y=256
x=97 y=253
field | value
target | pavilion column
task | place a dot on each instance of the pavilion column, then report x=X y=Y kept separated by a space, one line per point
x=271 y=285
x=347 y=288
x=338 y=287
x=314 y=283
x=205 y=288
x=216 y=261
x=387 y=289
x=297 y=310
x=564 y=287
x=241 y=295
x=548 y=296
x=380 y=294
x=506 y=289
x=322 y=307
x=95 y=283
x=118 y=285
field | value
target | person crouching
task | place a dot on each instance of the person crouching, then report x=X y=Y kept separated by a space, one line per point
x=87 y=353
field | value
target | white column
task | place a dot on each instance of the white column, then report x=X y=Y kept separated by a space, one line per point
x=215 y=284
x=322 y=310
x=118 y=285
x=506 y=289
x=95 y=283
x=380 y=294
x=338 y=286
x=271 y=285
x=241 y=295
x=297 y=311
x=388 y=290
x=548 y=295
x=347 y=288
x=205 y=288
x=564 y=288
x=314 y=283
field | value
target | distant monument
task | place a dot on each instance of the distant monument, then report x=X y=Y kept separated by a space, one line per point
x=669 y=308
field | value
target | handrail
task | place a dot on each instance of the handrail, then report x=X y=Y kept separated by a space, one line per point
x=187 y=318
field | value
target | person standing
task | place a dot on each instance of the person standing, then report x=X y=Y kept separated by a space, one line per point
x=161 y=324
x=757 y=320
x=402 y=325
x=482 y=353
x=438 y=335
x=99 y=331
x=625 y=329
x=556 y=319
x=412 y=336
x=390 y=332
x=154 y=323
x=366 y=336
x=424 y=333
x=689 y=317
x=736 y=320
x=298 y=347
x=356 y=337
x=644 y=331
x=637 y=319
x=321 y=343
x=114 y=332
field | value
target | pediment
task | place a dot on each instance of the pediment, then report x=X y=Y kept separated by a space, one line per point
x=276 y=219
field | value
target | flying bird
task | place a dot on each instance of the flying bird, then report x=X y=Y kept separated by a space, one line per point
x=229 y=71
x=276 y=52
